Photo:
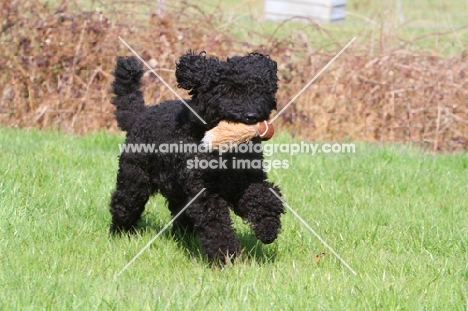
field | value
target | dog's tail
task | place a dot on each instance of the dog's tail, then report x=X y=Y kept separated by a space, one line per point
x=126 y=86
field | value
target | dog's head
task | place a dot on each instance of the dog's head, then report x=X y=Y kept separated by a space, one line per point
x=240 y=89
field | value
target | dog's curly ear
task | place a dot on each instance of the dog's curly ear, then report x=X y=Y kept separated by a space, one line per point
x=195 y=72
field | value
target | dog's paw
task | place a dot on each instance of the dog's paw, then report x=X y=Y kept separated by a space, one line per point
x=267 y=230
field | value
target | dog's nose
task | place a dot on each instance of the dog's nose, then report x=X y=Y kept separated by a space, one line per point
x=252 y=117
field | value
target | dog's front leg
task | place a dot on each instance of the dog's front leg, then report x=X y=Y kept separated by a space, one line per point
x=213 y=225
x=262 y=209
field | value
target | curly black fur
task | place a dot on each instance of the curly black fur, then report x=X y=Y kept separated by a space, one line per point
x=240 y=89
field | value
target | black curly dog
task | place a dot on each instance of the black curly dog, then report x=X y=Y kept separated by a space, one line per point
x=240 y=89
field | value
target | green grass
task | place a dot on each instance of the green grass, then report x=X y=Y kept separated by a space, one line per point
x=439 y=26
x=418 y=25
x=398 y=216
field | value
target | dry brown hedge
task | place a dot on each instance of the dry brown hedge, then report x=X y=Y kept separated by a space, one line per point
x=56 y=65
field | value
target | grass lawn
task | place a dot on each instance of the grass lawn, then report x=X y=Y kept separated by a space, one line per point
x=397 y=215
x=435 y=25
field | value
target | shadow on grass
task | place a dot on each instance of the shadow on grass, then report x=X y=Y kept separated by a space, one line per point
x=252 y=250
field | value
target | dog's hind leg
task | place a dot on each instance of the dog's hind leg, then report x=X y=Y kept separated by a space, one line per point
x=132 y=193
